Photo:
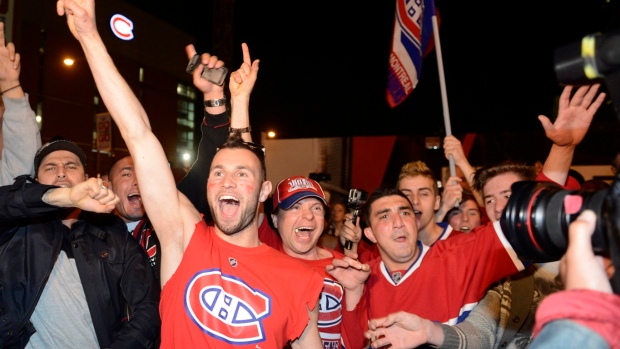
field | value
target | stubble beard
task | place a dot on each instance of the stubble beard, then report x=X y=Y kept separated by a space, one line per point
x=247 y=216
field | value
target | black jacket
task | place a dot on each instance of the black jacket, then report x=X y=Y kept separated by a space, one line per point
x=214 y=130
x=115 y=272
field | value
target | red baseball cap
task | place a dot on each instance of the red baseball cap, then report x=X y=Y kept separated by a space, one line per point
x=295 y=188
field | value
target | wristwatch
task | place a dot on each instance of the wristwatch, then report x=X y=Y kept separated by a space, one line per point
x=211 y=103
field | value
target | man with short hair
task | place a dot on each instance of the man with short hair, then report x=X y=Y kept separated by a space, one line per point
x=218 y=281
x=299 y=206
x=72 y=267
x=459 y=268
x=419 y=184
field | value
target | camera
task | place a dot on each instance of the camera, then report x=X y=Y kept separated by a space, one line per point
x=594 y=57
x=215 y=75
x=357 y=199
x=537 y=215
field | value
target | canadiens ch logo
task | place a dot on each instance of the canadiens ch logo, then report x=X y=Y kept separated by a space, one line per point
x=330 y=313
x=225 y=308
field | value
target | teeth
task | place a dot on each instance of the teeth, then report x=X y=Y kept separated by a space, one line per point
x=228 y=197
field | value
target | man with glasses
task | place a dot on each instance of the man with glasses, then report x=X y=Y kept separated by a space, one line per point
x=221 y=287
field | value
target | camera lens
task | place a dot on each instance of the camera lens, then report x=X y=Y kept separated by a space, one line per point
x=537 y=215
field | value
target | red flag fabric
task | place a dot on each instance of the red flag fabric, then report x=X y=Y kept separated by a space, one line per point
x=411 y=41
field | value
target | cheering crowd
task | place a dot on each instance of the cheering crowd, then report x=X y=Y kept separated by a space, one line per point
x=226 y=259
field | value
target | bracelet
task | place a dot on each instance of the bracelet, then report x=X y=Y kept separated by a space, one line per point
x=240 y=130
x=211 y=103
x=9 y=89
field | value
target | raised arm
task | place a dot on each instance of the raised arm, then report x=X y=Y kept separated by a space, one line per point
x=574 y=117
x=172 y=215
x=241 y=85
x=216 y=122
x=452 y=146
x=214 y=130
x=451 y=196
x=20 y=136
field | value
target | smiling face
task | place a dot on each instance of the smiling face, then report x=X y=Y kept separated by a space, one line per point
x=62 y=168
x=300 y=227
x=235 y=189
x=466 y=218
x=419 y=191
x=393 y=227
x=122 y=180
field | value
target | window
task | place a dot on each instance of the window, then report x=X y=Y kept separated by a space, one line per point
x=186 y=118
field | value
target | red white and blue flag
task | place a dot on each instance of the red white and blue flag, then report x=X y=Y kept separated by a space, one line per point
x=412 y=39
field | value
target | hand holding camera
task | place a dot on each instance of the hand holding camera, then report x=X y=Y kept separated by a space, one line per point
x=213 y=75
x=357 y=198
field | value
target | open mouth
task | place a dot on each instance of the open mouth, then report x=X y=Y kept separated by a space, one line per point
x=304 y=232
x=417 y=213
x=134 y=199
x=229 y=205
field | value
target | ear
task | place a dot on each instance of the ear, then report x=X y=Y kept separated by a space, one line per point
x=370 y=235
x=274 y=220
x=265 y=191
x=437 y=202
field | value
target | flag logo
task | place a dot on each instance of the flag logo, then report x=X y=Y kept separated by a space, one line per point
x=412 y=38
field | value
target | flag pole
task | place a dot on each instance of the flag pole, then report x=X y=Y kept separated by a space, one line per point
x=444 y=94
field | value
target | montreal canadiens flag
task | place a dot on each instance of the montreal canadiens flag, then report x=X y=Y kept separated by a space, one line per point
x=412 y=39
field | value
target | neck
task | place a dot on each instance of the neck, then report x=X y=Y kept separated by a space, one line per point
x=393 y=266
x=71 y=217
x=430 y=233
x=247 y=237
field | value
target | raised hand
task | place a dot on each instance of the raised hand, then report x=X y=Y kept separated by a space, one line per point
x=206 y=61
x=574 y=115
x=80 y=16
x=452 y=146
x=451 y=196
x=351 y=232
x=243 y=79
x=9 y=63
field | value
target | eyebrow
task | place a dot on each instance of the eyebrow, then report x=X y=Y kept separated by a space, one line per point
x=500 y=193
x=57 y=163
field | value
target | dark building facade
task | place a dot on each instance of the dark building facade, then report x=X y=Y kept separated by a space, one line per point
x=65 y=97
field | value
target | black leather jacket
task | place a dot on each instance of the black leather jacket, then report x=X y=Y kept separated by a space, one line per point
x=115 y=272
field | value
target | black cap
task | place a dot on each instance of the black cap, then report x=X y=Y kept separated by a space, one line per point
x=61 y=144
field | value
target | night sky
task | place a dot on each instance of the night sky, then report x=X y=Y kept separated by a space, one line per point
x=324 y=64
